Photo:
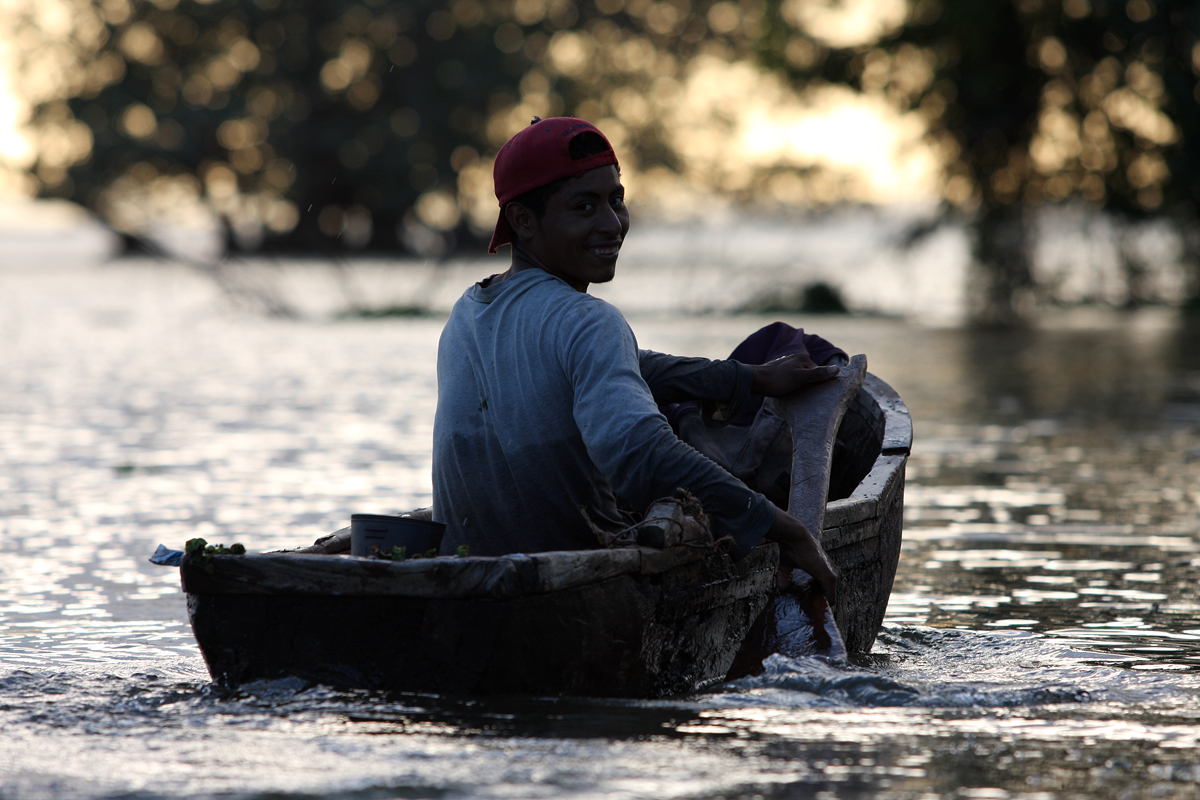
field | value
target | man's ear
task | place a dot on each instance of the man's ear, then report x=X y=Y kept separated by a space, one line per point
x=521 y=221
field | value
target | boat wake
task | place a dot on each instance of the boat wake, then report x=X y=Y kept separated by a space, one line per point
x=949 y=669
x=820 y=683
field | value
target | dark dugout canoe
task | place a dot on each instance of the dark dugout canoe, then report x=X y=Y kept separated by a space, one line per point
x=624 y=622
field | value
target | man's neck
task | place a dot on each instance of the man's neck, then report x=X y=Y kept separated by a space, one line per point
x=521 y=261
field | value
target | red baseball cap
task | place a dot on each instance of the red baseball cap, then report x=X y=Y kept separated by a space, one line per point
x=538 y=155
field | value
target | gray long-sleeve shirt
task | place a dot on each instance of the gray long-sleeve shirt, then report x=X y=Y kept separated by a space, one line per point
x=544 y=408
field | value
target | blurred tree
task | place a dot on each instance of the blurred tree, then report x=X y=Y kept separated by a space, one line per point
x=302 y=125
x=345 y=124
x=338 y=124
x=1032 y=101
x=1025 y=102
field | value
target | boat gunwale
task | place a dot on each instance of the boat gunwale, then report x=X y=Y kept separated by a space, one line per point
x=447 y=577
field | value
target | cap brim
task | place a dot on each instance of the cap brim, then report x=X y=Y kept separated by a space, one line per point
x=501 y=235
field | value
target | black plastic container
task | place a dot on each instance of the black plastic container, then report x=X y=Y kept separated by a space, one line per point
x=418 y=536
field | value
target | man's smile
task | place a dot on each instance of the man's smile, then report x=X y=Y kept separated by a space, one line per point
x=606 y=250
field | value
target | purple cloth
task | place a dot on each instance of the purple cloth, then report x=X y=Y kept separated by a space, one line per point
x=766 y=344
x=780 y=339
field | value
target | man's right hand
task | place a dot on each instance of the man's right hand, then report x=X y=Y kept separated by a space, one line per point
x=799 y=549
x=788 y=374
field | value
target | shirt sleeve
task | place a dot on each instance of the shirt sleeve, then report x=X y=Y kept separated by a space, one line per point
x=722 y=388
x=629 y=440
x=673 y=379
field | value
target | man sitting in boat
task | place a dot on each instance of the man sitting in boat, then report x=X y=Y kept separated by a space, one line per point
x=547 y=418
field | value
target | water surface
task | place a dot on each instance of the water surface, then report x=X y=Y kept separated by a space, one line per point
x=1043 y=639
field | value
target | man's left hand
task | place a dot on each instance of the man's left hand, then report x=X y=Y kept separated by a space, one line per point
x=789 y=373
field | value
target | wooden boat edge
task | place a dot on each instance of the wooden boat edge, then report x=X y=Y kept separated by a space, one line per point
x=494 y=577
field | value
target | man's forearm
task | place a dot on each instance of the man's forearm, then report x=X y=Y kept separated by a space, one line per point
x=674 y=379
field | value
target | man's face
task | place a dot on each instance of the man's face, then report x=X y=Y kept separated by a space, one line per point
x=579 y=237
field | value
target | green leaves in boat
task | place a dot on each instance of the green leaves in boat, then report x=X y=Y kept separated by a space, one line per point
x=200 y=549
x=401 y=553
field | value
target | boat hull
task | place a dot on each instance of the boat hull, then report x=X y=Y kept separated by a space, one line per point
x=638 y=634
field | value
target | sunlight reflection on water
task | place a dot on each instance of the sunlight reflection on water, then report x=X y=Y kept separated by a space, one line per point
x=1042 y=641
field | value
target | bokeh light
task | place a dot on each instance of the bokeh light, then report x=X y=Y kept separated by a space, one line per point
x=271 y=121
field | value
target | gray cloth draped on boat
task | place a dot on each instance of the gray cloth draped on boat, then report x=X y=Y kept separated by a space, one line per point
x=546 y=407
